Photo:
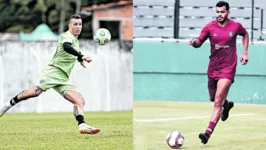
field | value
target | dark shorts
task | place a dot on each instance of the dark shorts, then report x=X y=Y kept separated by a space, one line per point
x=212 y=82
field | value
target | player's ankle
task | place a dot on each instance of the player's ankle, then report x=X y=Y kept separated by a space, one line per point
x=14 y=101
x=80 y=119
x=207 y=134
x=210 y=128
x=81 y=122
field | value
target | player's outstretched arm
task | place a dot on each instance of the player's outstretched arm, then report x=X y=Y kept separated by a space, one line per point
x=69 y=49
x=195 y=43
x=204 y=34
x=245 y=41
x=244 y=56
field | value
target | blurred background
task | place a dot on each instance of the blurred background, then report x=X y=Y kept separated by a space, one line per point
x=29 y=30
x=185 y=18
x=26 y=16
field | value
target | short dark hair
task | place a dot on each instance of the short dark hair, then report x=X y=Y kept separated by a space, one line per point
x=223 y=3
x=75 y=16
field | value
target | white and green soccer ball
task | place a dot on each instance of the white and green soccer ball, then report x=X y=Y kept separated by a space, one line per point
x=102 y=36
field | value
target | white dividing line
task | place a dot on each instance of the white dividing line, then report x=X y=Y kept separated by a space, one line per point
x=181 y=40
x=185 y=118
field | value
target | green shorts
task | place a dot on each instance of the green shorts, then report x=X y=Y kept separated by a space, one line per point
x=55 y=78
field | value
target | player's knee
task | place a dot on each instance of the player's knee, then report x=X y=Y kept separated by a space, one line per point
x=81 y=99
x=218 y=102
x=212 y=93
x=80 y=102
x=36 y=92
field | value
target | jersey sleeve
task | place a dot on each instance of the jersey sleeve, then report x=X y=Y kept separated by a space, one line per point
x=241 y=30
x=67 y=38
x=204 y=34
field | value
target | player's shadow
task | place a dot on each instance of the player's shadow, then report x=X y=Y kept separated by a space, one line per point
x=208 y=146
x=107 y=135
x=183 y=148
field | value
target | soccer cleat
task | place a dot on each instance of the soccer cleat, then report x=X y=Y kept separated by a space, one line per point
x=4 y=108
x=226 y=110
x=86 y=129
x=204 y=138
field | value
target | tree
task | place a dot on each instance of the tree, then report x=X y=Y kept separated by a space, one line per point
x=25 y=15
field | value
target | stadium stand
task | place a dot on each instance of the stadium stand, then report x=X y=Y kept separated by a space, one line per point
x=155 y=18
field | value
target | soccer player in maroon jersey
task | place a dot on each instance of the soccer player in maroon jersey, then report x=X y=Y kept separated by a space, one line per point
x=222 y=34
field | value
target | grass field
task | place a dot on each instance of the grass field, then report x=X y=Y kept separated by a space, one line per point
x=59 y=131
x=237 y=133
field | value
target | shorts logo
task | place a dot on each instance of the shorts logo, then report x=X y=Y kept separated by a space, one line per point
x=42 y=81
x=231 y=34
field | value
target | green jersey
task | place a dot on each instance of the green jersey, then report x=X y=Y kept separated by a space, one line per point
x=62 y=59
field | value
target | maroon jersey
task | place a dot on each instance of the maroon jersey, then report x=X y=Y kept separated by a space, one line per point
x=223 y=56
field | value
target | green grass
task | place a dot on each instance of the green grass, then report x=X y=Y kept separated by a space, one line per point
x=237 y=133
x=56 y=131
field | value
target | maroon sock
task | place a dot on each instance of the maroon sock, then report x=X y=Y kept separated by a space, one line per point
x=210 y=128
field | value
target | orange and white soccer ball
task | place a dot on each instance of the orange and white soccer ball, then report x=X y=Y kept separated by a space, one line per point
x=175 y=139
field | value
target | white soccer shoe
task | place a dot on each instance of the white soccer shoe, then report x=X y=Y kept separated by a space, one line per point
x=4 y=108
x=86 y=129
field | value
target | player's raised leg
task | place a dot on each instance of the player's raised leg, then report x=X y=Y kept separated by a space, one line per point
x=223 y=87
x=24 y=95
x=78 y=101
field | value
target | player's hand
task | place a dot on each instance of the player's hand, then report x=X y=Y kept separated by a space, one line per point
x=244 y=59
x=191 y=41
x=87 y=59
x=82 y=64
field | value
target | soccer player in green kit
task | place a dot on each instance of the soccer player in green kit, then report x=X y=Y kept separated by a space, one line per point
x=56 y=76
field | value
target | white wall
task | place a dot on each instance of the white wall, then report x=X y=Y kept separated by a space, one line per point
x=106 y=84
